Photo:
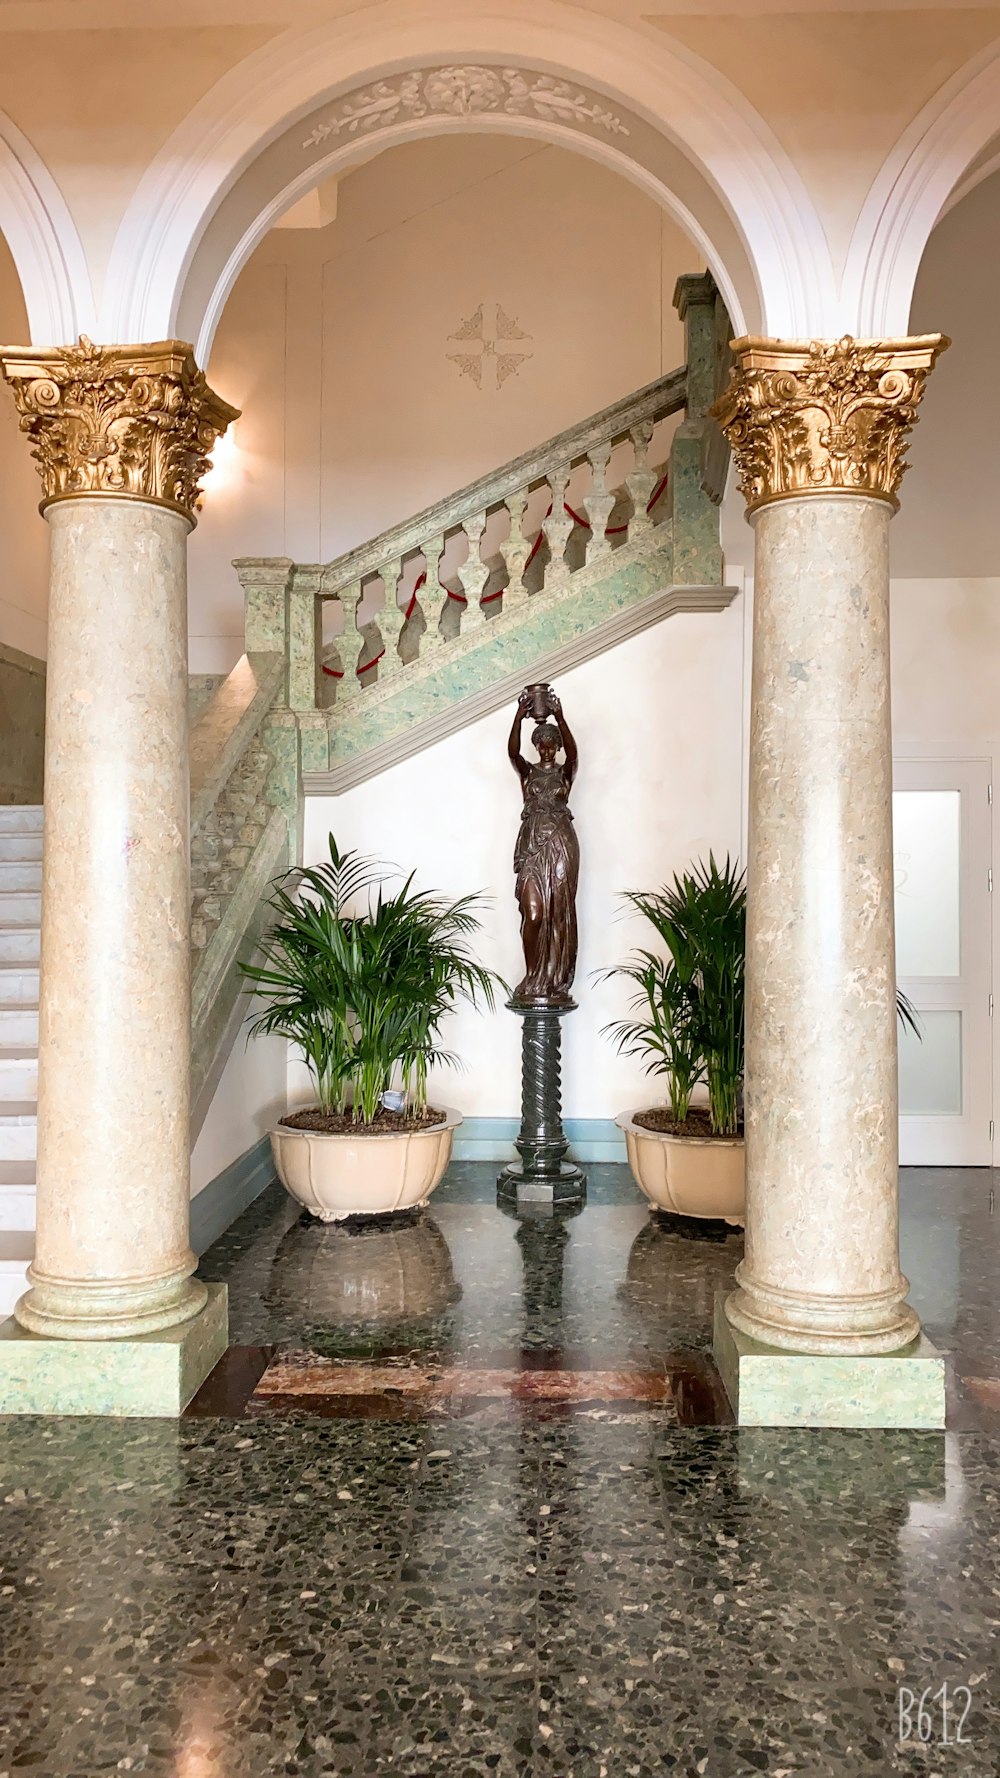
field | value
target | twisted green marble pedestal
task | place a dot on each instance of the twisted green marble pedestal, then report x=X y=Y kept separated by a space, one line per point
x=770 y=1387
x=543 y=1176
x=153 y=1374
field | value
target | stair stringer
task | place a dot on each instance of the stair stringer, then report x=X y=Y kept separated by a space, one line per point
x=412 y=732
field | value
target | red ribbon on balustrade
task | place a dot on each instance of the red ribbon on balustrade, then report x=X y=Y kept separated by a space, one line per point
x=460 y=599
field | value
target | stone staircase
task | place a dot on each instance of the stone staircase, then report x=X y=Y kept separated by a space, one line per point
x=548 y=561
x=20 y=920
x=240 y=839
x=353 y=664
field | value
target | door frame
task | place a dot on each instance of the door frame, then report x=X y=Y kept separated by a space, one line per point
x=967 y=1141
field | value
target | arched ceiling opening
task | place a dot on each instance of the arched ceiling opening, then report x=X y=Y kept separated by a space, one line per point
x=948 y=148
x=44 y=243
x=303 y=110
x=446 y=99
x=681 y=130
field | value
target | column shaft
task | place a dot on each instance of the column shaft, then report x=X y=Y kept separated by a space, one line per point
x=821 y=1270
x=112 y=1254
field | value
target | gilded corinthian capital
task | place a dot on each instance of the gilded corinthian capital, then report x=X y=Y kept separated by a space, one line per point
x=137 y=421
x=827 y=416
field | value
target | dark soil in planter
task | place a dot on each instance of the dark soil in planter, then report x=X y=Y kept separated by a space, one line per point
x=387 y=1123
x=697 y=1123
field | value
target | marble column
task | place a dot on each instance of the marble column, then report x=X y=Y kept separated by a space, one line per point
x=121 y=436
x=819 y=434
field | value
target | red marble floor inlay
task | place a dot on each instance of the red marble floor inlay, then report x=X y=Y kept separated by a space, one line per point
x=985 y=1390
x=308 y=1374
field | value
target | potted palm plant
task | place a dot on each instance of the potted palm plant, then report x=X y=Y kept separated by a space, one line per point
x=360 y=980
x=686 y=1023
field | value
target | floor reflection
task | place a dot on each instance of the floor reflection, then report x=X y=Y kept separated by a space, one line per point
x=531 y=1566
x=676 y=1267
x=372 y=1275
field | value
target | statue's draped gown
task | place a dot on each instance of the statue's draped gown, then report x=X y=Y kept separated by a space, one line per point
x=547 y=855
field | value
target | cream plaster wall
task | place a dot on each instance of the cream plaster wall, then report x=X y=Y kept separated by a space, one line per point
x=945 y=655
x=659 y=723
x=335 y=343
x=98 y=86
x=945 y=541
x=97 y=105
x=838 y=86
x=24 y=556
x=248 y=1100
x=947 y=524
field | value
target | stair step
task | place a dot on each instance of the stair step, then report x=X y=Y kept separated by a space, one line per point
x=21 y=818
x=20 y=944
x=18 y=985
x=18 y=1130
x=18 y=1027
x=19 y=908
x=20 y=875
x=17 y=1194
x=16 y=1249
x=21 y=848
x=18 y=1075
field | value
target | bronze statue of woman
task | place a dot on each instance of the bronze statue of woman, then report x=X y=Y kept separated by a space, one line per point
x=547 y=853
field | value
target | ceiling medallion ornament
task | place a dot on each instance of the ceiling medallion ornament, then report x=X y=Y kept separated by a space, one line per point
x=828 y=416
x=138 y=421
x=463 y=92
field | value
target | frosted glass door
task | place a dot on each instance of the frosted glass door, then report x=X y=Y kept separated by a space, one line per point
x=941 y=853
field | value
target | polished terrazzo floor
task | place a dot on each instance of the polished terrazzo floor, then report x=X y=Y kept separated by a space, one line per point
x=457 y=1507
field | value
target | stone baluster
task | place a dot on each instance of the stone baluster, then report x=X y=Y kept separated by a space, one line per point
x=557 y=528
x=121 y=435
x=516 y=550
x=391 y=620
x=598 y=504
x=641 y=479
x=355 y=646
x=819 y=433
x=432 y=596
x=473 y=574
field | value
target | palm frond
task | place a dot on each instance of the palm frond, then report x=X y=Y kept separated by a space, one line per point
x=360 y=979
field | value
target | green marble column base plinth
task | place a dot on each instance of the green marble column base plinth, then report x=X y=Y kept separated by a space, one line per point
x=769 y=1387
x=152 y=1375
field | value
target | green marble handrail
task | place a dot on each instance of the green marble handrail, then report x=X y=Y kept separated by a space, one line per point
x=242 y=831
x=227 y=725
x=667 y=395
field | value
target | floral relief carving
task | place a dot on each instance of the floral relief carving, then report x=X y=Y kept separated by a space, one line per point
x=463 y=92
x=132 y=420
x=490 y=344
x=833 y=414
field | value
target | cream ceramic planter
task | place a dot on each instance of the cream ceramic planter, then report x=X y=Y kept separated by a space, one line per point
x=338 y=1176
x=688 y=1175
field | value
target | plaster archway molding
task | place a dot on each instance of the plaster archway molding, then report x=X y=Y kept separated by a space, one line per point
x=935 y=158
x=694 y=108
x=984 y=168
x=44 y=244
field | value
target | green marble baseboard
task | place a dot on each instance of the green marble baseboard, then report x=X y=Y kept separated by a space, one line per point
x=492 y=1139
x=152 y=1375
x=770 y=1387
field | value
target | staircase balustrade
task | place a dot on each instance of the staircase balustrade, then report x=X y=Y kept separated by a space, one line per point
x=564 y=552
x=243 y=831
x=543 y=563
x=421 y=615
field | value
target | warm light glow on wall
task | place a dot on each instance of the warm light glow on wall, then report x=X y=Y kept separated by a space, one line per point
x=225 y=462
